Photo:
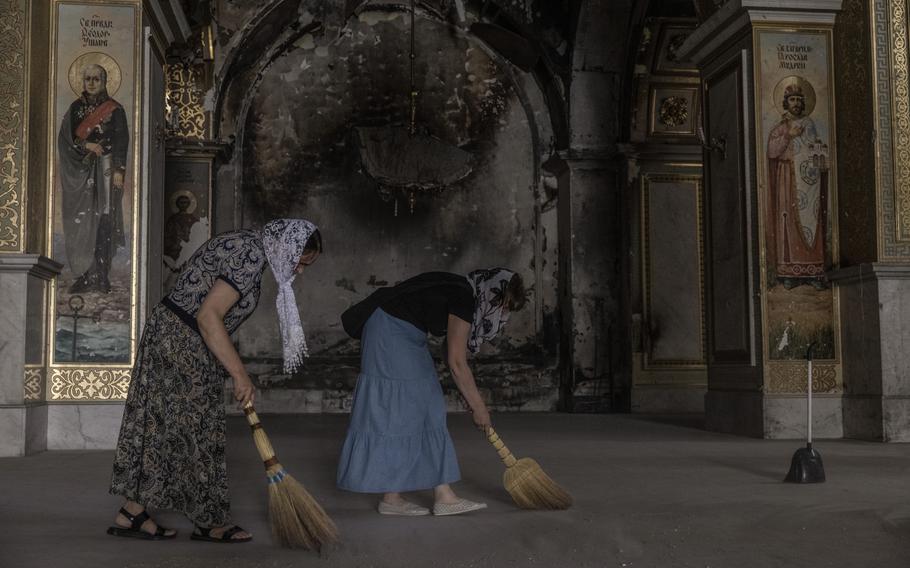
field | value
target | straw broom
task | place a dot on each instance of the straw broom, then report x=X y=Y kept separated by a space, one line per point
x=528 y=484
x=298 y=521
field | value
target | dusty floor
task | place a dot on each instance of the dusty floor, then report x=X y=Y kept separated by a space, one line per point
x=650 y=493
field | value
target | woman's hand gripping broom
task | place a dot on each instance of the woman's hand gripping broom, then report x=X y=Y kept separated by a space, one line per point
x=528 y=484
x=298 y=521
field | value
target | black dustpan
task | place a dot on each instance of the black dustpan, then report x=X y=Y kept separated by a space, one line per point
x=806 y=465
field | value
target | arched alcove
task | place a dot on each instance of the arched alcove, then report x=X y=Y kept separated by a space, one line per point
x=293 y=155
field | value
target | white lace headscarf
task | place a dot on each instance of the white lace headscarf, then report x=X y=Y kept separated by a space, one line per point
x=284 y=240
x=489 y=291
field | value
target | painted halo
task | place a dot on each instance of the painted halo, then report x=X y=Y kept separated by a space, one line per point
x=805 y=86
x=184 y=193
x=114 y=75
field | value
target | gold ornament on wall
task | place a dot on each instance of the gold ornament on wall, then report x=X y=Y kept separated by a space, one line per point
x=891 y=74
x=187 y=117
x=34 y=384
x=674 y=111
x=900 y=76
x=791 y=378
x=89 y=384
x=12 y=84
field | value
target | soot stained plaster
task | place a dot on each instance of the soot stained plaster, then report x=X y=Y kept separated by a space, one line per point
x=311 y=97
x=293 y=156
x=298 y=160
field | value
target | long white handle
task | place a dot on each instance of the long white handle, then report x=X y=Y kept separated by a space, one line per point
x=809 y=398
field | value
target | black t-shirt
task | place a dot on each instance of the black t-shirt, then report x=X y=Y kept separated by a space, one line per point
x=425 y=301
x=428 y=307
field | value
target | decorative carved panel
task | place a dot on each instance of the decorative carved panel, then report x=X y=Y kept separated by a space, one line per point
x=187 y=117
x=666 y=59
x=34 y=383
x=89 y=384
x=793 y=378
x=667 y=90
x=13 y=57
x=674 y=110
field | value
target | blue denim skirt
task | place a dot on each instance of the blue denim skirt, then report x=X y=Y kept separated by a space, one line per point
x=397 y=440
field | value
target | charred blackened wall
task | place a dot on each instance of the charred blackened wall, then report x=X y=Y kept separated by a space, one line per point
x=324 y=72
x=594 y=354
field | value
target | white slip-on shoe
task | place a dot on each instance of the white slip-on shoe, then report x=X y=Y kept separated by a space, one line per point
x=405 y=509
x=457 y=508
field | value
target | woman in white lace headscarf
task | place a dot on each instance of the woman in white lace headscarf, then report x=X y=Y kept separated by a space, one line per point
x=170 y=453
x=397 y=440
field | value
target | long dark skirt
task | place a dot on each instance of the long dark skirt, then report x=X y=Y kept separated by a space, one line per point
x=170 y=453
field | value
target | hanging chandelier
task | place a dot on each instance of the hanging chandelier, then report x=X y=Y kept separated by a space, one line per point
x=405 y=162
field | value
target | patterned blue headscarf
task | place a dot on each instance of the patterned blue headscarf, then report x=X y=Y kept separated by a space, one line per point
x=489 y=290
x=284 y=240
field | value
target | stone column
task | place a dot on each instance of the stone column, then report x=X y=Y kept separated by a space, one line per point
x=23 y=276
x=593 y=341
x=771 y=224
x=23 y=316
x=876 y=314
x=594 y=345
x=874 y=277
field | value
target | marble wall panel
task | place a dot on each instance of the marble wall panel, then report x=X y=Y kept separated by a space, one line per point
x=83 y=426
x=673 y=268
x=12 y=431
x=13 y=286
x=785 y=417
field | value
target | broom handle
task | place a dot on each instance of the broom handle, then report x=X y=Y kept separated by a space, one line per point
x=501 y=449
x=262 y=443
x=809 y=353
x=809 y=429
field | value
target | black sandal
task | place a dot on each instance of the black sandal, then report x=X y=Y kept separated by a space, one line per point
x=201 y=533
x=135 y=530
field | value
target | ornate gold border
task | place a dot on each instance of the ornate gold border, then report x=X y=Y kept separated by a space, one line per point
x=889 y=30
x=34 y=383
x=646 y=178
x=88 y=383
x=900 y=108
x=14 y=31
x=881 y=114
x=792 y=377
x=77 y=381
x=775 y=368
x=136 y=135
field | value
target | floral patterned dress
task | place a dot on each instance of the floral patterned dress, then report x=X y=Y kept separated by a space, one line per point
x=170 y=453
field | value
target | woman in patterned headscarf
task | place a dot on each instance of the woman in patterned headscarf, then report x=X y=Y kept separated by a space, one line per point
x=397 y=440
x=170 y=453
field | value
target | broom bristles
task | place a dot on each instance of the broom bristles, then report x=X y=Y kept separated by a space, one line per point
x=287 y=529
x=298 y=521
x=527 y=483
x=531 y=488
